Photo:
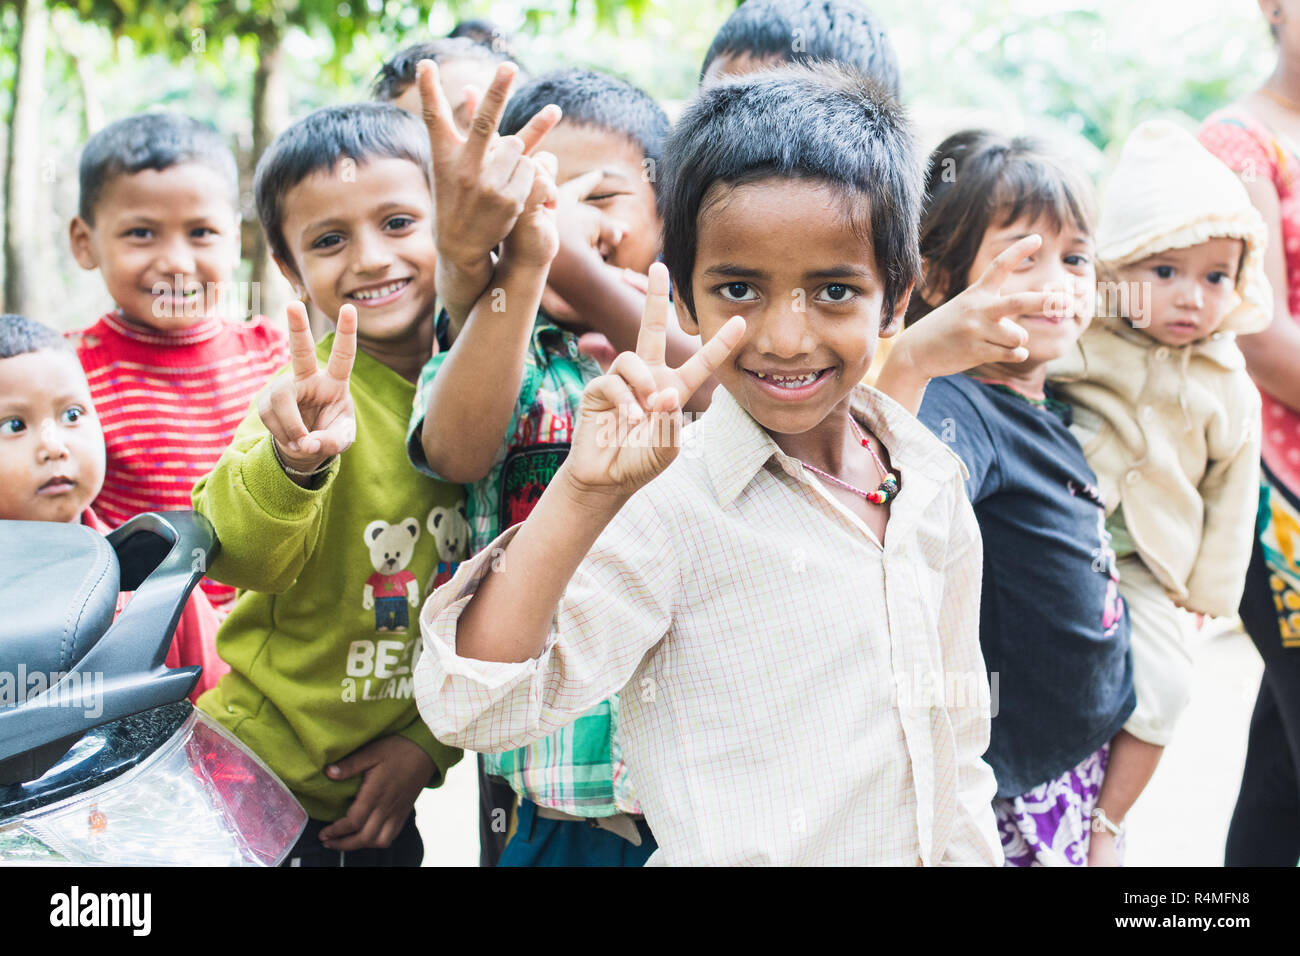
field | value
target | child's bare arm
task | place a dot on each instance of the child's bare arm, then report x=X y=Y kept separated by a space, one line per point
x=970 y=329
x=481 y=184
x=509 y=617
x=474 y=392
x=1129 y=768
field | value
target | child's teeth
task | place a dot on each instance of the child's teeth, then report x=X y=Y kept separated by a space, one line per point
x=378 y=293
x=785 y=381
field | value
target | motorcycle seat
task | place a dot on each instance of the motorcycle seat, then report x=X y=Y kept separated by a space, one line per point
x=59 y=588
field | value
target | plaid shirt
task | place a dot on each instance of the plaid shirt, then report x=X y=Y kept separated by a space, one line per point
x=579 y=769
x=797 y=691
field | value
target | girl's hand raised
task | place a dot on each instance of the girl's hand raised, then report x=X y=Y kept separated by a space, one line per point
x=309 y=412
x=630 y=422
x=973 y=328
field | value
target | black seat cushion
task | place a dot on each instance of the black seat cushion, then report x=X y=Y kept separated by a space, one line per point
x=58 y=592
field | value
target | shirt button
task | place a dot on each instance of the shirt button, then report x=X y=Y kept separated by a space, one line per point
x=1133 y=477
x=1162 y=353
x=230 y=708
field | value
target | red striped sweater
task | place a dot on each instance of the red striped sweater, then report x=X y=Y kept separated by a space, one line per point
x=169 y=403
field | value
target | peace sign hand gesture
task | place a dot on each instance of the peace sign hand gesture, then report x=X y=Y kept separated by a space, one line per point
x=481 y=181
x=630 y=421
x=309 y=412
x=975 y=327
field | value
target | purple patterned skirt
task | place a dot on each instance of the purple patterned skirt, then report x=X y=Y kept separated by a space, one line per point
x=1050 y=825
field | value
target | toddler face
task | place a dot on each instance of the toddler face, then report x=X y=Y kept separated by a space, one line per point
x=166 y=242
x=51 y=443
x=362 y=234
x=1191 y=290
x=784 y=255
x=1063 y=263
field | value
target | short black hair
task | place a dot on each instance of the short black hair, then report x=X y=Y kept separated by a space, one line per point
x=398 y=73
x=588 y=98
x=155 y=141
x=808 y=31
x=825 y=123
x=318 y=141
x=20 y=335
x=488 y=34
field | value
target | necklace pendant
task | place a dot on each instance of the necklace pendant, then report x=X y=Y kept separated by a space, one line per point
x=888 y=489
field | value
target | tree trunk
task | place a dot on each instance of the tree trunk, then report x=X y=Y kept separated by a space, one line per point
x=271 y=293
x=93 y=109
x=24 y=288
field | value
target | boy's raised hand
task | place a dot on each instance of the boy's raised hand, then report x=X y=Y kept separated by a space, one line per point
x=583 y=224
x=481 y=181
x=309 y=412
x=629 y=425
x=534 y=240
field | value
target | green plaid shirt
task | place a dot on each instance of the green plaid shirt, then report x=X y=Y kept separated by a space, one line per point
x=578 y=770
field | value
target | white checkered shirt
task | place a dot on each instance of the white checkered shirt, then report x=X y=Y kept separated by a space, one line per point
x=792 y=692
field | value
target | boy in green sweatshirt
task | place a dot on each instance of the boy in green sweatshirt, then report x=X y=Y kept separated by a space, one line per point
x=332 y=538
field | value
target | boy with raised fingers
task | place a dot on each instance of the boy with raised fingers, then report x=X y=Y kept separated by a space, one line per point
x=785 y=604
x=334 y=540
x=577 y=801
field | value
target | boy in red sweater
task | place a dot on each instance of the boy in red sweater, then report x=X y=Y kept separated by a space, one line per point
x=170 y=374
x=52 y=462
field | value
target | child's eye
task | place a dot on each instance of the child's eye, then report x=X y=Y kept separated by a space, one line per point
x=73 y=414
x=203 y=232
x=327 y=241
x=13 y=426
x=400 y=222
x=1216 y=277
x=737 y=292
x=837 y=292
x=1164 y=272
x=1076 y=259
x=139 y=232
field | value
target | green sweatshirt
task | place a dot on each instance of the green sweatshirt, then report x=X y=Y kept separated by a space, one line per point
x=323 y=639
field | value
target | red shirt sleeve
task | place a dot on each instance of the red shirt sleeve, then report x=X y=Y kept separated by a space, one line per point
x=195 y=643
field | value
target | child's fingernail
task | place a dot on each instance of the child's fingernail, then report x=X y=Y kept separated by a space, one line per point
x=332 y=770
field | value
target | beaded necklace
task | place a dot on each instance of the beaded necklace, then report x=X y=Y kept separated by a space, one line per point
x=887 y=489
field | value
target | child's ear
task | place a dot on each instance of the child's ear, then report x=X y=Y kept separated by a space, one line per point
x=684 y=317
x=83 y=250
x=291 y=276
x=893 y=323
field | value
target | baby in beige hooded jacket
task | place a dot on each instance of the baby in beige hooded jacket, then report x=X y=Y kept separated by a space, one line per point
x=1164 y=409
